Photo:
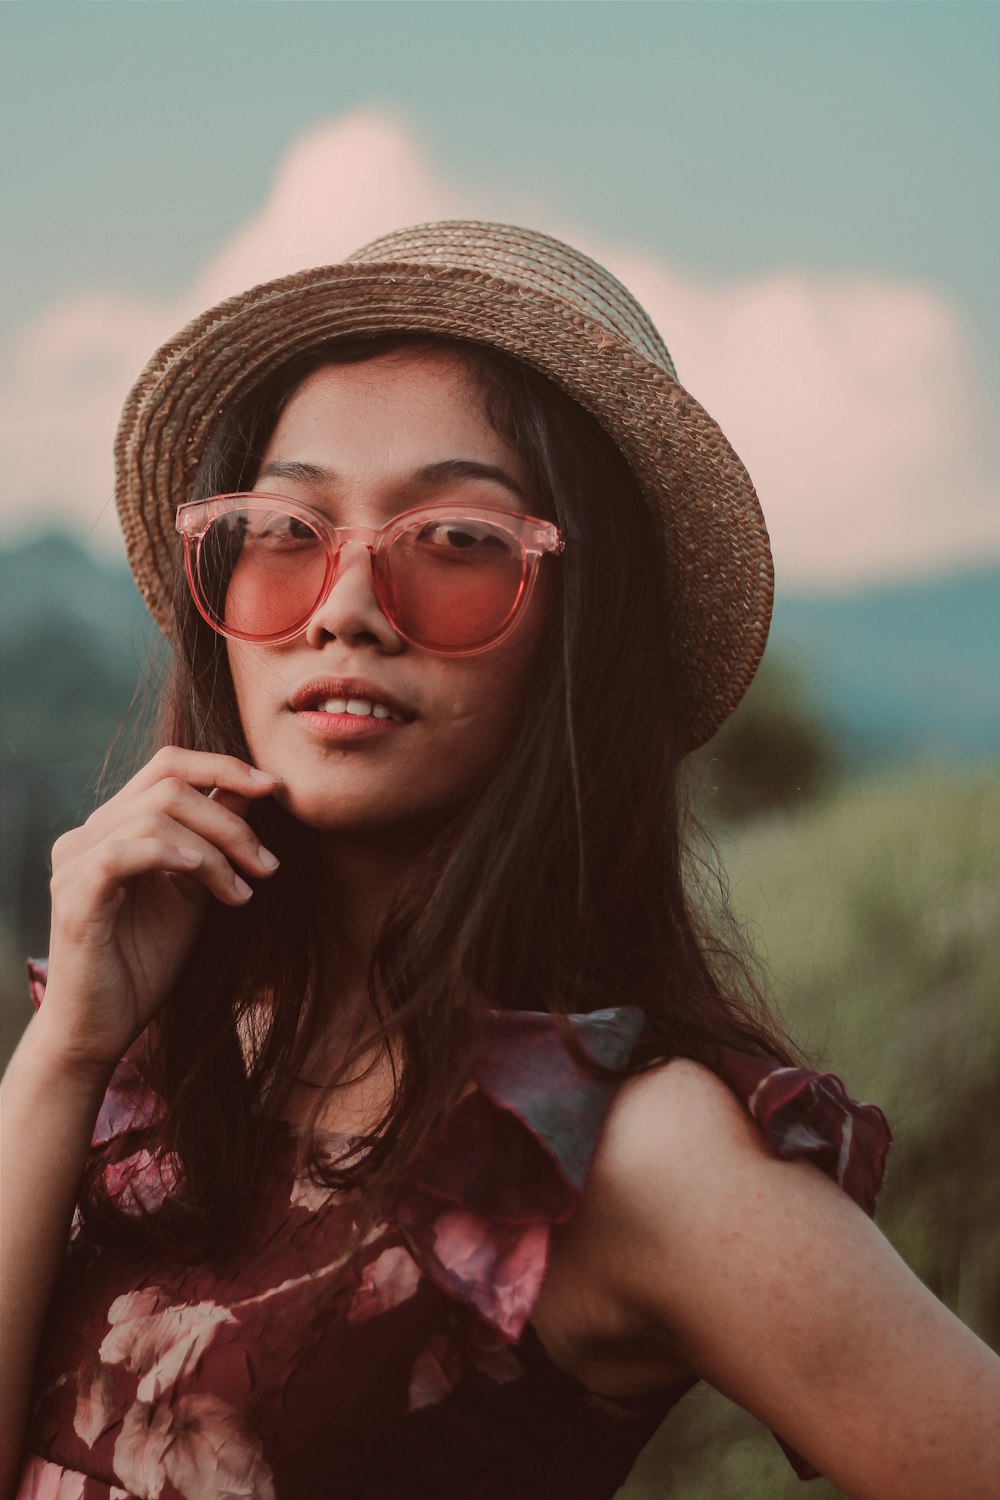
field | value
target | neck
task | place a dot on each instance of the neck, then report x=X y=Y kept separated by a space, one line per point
x=361 y=874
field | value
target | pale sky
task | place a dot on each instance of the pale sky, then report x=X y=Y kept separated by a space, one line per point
x=803 y=196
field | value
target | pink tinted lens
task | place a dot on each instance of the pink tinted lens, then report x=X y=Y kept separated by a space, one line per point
x=454 y=582
x=262 y=572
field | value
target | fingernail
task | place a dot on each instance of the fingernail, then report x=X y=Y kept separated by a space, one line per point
x=258 y=775
x=190 y=857
x=242 y=889
x=268 y=860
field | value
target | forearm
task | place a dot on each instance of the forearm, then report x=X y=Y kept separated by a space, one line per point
x=48 y=1113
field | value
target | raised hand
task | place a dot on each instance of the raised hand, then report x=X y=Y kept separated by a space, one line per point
x=129 y=891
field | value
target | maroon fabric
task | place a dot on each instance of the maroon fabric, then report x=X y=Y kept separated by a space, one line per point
x=408 y=1368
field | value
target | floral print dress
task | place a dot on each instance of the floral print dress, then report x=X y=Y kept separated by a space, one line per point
x=406 y=1369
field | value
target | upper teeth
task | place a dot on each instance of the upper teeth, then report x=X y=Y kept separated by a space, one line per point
x=360 y=706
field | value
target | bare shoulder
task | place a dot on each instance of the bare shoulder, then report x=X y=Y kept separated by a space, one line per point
x=714 y=1220
x=697 y=1251
x=672 y=1091
x=674 y=1125
x=657 y=1230
x=596 y=1315
x=638 y=1238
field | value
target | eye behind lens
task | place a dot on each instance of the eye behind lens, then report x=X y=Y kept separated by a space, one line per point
x=264 y=573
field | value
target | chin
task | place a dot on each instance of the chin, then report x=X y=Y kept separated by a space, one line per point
x=330 y=810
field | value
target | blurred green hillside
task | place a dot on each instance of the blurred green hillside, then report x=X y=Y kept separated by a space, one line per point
x=875 y=911
x=902 y=666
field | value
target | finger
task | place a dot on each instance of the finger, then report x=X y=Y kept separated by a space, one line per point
x=225 y=843
x=81 y=888
x=200 y=769
x=173 y=810
x=232 y=801
x=211 y=818
x=119 y=859
x=212 y=869
x=193 y=769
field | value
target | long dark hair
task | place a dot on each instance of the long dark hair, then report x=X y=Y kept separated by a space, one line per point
x=569 y=883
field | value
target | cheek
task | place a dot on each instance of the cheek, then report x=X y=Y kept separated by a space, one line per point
x=239 y=675
x=254 y=685
x=494 y=702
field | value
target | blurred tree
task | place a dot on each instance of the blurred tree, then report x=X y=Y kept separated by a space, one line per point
x=773 y=752
x=75 y=646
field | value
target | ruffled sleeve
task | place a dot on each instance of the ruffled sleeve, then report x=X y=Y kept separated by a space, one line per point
x=511 y=1160
x=811 y=1115
x=513 y=1157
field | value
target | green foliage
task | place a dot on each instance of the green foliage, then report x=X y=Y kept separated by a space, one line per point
x=74 y=663
x=710 y=1449
x=877 y=916
x=875 y=912
x=773 y=752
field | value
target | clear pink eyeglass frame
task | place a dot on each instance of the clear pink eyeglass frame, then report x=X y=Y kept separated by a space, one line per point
x=535 y=537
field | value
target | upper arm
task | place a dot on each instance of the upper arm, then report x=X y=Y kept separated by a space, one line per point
x=771 y=1284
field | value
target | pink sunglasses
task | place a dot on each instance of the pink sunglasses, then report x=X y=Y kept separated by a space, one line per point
x=452 y=579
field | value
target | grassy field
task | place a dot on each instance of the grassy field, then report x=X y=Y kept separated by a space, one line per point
x=875 y=913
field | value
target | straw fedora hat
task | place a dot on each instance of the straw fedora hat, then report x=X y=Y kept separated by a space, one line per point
x=551 y=307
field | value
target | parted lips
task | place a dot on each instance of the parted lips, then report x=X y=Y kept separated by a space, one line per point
x=532 y=297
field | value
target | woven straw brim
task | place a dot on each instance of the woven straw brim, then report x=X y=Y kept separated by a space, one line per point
x=720 y=563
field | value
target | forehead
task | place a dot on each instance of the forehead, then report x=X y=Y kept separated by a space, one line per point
x=409 y=398
x=388 y=432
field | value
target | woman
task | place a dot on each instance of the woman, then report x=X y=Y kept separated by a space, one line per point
x=422 y=1141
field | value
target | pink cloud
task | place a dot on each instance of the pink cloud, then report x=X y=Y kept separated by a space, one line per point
x=60 y=392
x=340 y=186
x=854 y=402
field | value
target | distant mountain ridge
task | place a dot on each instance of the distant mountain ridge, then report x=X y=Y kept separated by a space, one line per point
x=908 y=669
x=57 y=580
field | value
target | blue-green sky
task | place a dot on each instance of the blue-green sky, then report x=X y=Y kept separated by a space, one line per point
x=729 y=141
x=736 y=136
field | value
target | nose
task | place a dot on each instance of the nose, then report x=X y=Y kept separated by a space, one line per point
x=351 y=612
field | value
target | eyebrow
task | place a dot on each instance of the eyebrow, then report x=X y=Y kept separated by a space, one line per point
x=447 y=471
